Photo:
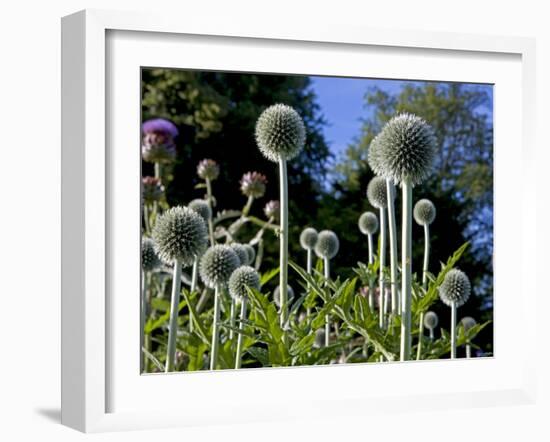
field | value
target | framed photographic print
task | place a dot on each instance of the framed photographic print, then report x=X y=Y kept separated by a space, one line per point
x=267 y=211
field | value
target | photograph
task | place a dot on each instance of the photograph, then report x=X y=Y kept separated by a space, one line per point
x=301 y=220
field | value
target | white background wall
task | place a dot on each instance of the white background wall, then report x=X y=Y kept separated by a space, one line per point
x=30 y=206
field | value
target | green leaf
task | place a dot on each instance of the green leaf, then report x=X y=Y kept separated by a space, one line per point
x=268 y=276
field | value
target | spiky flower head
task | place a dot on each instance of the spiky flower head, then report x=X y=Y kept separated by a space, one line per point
x=240 y=279
x=368 y=223
x=253 y=184
x=250 y=252
x=280 y=133
x=158 y=141
x=431 y=320
x=308 y=238
x=377 y=192
x=455 y=288
x=468 y=322
x=327 y=245
x=180 y=234
x=272 y=209
x=217 y=264
x=406 y=149
x=152 y=189
x=424 y=212
x=277 y=295
x=241 y=253
x=208 y=169
x=202 y=208
x=149 y=259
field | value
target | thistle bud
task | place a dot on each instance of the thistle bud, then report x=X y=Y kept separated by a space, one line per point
x=253 y=184
x=217 y=264
x=308 y=238
x=327 y=245
x=424 y=212
x=368 y=223
x=455 y=288
x=208 y=170
x=242 y=278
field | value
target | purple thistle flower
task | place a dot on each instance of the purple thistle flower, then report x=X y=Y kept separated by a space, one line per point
x=253 y=184
x=208 y=169
x=272 y=209
x=152 y=189
x=158 y=141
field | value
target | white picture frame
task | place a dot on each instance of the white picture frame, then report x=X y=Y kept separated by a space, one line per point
x=90 y=171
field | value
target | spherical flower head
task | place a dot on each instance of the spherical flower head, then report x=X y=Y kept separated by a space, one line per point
x=240 y=279
x=241 y=252
x=149 y=259
x=368 y=223
x=377 y=192
x=431 y=320
x=280 y=133
x=158 y=141
x=202 y=208
x=468 y=322
x=152 y=189
x=253 y=184
x=455 y=288
x=406 y=149
x=208 y=169
x=277 y=295
x=180 y=234
x=217 y=264
x=272 y=209
x=327 y=245
x=424 y=212
x=308 y=238
x=250 y=252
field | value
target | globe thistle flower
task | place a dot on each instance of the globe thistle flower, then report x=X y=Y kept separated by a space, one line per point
x=158 y=141
x=424 y=212
x=242 y=278
x=250 y=252
x=241 y=252
x=280 y=133
x=455 y=288
x=152 y=189
x=468 y=322
x=180 y=235
x=277 y=295
x=377 y=193
x=202 y=208
x=368 y=223
x=272 y=209
x=149 y=258
x=405 y=149
x=217 y=264
x=208 y=170
x=253 y=184
x=454 y=292
x=431 y=320
x=327 y=245
x=308 y=238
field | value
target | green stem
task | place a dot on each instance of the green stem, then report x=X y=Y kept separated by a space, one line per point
x=193 y=289
x=392 y=226
x=309 y=261
x=453 y=330
x=205 y=296
x=382 y=282
x=174 y=302
x=238 y=354
x=406 y=269
x=232 y=317
x=259 y=254
x=424 y=286
x=146 y=218
x=371 y=261
x=142 y=319
x=210 y=204
x=431 y=334
x=246 y=208
x=215 y=330
x=468 y=351
x=326 y=268
x=283 y=242
x=158 y=172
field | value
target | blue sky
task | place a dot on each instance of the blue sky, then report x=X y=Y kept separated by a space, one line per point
x=342 y=104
